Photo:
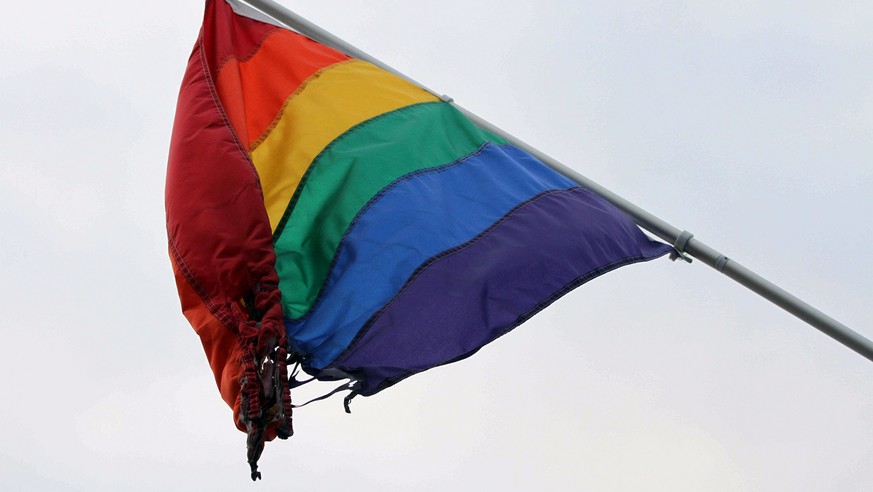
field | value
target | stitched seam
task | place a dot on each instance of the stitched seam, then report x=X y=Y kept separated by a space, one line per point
x=567 y=288
x=309 y=80
x=252 y=53
x=280 y=227
x=220 y=108
x=210 y=83
x=434 y=259
x=378 y=196
x=219 y=312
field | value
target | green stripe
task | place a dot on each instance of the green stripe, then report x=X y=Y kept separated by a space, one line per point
x=347 y=174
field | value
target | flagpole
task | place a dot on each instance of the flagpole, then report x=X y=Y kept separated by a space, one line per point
x=683 y=241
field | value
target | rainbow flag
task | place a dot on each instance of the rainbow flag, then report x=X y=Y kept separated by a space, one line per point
x=323 y=210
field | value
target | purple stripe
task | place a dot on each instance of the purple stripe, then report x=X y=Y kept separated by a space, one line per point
x=467 y=296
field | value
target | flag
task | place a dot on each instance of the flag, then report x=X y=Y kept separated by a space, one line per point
x=325 y=211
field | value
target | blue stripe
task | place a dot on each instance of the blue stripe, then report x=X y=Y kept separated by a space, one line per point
x=467 y=296
x=413 y=219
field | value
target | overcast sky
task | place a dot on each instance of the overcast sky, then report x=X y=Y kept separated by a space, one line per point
x=748 y=123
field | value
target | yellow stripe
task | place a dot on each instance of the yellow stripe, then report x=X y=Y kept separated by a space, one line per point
x=331 y=102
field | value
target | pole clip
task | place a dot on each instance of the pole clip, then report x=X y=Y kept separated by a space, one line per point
x=679 y=247
x=447 y=99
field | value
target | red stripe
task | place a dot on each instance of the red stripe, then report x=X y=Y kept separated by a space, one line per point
x=254 y=91
x=227 y=35
x=219 y=232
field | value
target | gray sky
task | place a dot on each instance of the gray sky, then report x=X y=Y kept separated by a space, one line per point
x=747 y=123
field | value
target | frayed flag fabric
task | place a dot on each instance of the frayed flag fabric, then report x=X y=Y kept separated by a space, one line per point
x=323 y=211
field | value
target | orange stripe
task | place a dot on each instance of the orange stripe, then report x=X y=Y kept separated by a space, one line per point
x=331 y=102
x=220 y=343
x=253 y=91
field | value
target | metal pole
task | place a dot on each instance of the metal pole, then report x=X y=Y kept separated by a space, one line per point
x=682 y=240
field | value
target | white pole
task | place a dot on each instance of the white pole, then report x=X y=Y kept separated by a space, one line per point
x=682 y=240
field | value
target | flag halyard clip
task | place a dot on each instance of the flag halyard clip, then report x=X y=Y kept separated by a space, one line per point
x=679 y=247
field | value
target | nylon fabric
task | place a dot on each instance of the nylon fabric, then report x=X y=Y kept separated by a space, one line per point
x=414 y=219
x=253 y=90
x=213 y=212
x=326 y=106
x=462 y=299
x=321 y=205
x=228 y=36
x=347 y=174
x=219 y=233
x=220 y=343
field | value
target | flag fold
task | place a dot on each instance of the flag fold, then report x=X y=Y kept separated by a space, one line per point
x=324 y=211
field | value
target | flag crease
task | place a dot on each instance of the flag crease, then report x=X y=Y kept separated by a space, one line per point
x=323 y=211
